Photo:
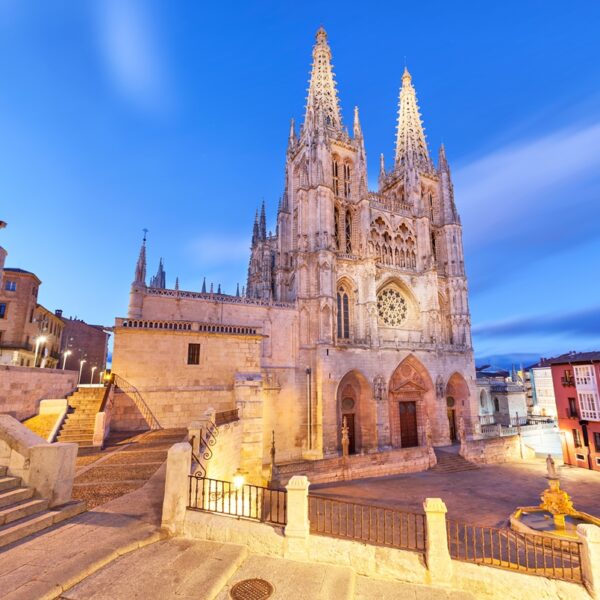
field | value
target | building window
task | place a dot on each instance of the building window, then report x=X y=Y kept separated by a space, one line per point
x=348 y=232
x=590 y=406
x=346 y=181
x=496 y=405
x=3 y=310
x=576 y=438
x=336 y=227
x=584 y=375
x=391 y=307
x=31 y=316
x=572 y=410
x=336 y=178
x=193 y=354
x=343 y=314
x=11 y=286
x=597 y=441
x=433 y=246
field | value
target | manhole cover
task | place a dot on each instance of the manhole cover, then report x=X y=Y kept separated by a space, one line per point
x=251 y=589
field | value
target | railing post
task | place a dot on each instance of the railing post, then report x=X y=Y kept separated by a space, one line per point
x=177 y=481
x=437 y=555
x=297 y=528
x=589 y=535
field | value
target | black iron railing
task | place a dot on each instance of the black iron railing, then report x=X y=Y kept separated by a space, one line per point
x=507 y=549
x=368 y=523
x=244 y=501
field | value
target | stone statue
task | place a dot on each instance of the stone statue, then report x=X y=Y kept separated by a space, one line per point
x=461 y=428
x=550 y=467
x=345 y=438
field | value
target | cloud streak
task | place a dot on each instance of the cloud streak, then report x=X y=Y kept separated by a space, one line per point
x=213 y=251
x=129 y=46
x=525 y=201
x=583 y=323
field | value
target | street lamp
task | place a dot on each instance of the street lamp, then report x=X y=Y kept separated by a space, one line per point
x=65 y=354
x=80 y=369
x=92 y=377
x=41 y=339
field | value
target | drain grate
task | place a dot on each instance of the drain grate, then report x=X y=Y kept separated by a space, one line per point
x=251 y=589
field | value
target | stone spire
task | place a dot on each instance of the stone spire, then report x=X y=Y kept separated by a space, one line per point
x=160 y=279
x=237 y=290
x=442 y=162
x=322 y=101
x=177 y=283
x=292 y=136
x=263 y=222
x=204 y=285
x=357 y=128
x=140 y=267
x=411 y=147
x=255 y=229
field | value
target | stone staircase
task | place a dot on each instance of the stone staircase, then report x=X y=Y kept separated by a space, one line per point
x=78 y=425
x=22 y=514
x=450 y=461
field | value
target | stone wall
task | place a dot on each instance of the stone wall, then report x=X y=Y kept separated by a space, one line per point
x=22 y=388
x=393 y=462
x=226 y=452
x=496 y=450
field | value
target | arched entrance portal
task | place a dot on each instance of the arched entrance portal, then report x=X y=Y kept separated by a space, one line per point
x=411 y=392
x=457 y=393
x=354 y=401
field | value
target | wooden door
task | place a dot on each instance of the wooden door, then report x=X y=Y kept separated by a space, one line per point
x=408 y=424
x=452 y=423
x=351 y=433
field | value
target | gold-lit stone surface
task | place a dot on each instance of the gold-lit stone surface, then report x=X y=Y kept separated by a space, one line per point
x=41 y=424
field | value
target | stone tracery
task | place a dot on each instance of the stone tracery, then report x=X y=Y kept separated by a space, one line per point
x=393 y=248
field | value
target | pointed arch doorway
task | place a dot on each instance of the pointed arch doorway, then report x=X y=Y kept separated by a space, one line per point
x=354 y=401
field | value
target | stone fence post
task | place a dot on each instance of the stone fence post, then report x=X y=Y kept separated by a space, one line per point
x=589 y=536
x=297 y=528
x=179 y=460
x=437 y=555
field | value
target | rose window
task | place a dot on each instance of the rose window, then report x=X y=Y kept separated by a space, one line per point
x=391 y=307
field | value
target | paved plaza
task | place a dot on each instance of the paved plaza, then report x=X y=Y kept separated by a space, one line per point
x=93 y=555
x=484 y=496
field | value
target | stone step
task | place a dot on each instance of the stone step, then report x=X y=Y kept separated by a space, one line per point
x=74 y=430
x=9 y=483
x=22 y=509
x=3 y=471
x=17 y=530
x=16 y=495
x=76 y=439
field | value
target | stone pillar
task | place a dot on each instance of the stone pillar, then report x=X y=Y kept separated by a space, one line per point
x=589 y=536
x=297 y=507
x=175 y=501
x=249 y=402
x=437 y=555
x=52 y=471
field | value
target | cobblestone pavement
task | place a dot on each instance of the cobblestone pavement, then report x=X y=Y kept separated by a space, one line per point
x=485 y=496
x=126 y=463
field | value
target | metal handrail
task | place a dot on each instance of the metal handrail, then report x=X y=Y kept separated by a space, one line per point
x=140 y=403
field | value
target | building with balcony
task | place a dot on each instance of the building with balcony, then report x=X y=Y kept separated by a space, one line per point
x=25 y=324
x=502 y=399
x=575 y=379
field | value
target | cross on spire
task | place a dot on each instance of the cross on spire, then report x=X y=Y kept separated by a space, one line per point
x=411 y=147
x=322 y=102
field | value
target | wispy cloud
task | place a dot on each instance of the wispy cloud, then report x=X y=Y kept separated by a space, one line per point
x=129 y=44
x=580 y=324
x=211 y=251
x=527 y=199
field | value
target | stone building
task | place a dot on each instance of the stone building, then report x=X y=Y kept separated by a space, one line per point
x=356 y=309
x=82 y=341
x=24 y=323
x=502 y=398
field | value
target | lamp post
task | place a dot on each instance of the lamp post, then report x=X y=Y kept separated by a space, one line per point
x=92 y=376
x=80 y=369
x=65 y=354
x=38 y=341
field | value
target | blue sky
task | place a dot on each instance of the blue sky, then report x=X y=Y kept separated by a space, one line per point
x=122 y=114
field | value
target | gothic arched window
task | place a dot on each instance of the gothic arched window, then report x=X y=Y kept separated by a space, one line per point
x=343 y=313
x=336 y=227
x=348 y=232
x=347 y=180
x=433 y=246
x=335 y=175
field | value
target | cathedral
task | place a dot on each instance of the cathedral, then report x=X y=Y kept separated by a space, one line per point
x=355 y=314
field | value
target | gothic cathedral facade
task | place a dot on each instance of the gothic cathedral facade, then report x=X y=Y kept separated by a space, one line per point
x=355 y=310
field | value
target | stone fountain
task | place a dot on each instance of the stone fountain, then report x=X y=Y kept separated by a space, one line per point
x=555 y=516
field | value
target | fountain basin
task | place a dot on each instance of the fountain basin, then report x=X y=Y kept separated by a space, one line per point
x=539 y=521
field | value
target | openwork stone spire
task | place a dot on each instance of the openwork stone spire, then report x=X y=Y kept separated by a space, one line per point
x=411 y=147
x=322 y=102
x=140 y=267
x=160 y=279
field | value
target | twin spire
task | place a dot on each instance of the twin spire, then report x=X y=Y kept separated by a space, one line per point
x=323 y=107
